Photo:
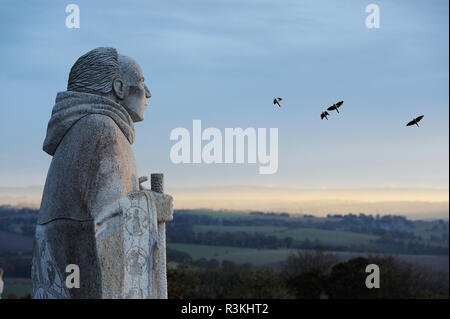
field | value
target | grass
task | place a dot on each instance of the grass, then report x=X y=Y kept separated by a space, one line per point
x=234 y=254
x=260 y=257
x=423 y=229
x=246 y=229
x=328 y=237
x=17 y=289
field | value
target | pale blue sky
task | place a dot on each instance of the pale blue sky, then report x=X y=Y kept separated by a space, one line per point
x=223 y=61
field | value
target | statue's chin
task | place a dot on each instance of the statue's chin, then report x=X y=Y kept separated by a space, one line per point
x=136 y=117
x=139 y=119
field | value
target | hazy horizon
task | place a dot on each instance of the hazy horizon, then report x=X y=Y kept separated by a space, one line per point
x=418 y=203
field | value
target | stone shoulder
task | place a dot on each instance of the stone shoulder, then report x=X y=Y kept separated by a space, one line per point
x=98 y=128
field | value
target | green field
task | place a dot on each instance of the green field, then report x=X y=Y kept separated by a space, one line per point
x=234 y=254
x=16 y=288
x=260 y=257
x=328 y=237
x=425 y=229
x=247 y=229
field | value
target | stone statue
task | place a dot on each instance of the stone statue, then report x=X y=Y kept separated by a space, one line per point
x=94 y=213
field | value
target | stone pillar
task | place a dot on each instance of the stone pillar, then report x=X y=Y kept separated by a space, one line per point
x=157 y=185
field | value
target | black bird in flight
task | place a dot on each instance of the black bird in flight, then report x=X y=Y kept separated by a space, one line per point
x=335 y=106
x=277 y=100
x=324 y=115
x=415 y=121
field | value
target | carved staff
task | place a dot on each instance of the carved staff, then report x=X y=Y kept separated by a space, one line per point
x=157 y=185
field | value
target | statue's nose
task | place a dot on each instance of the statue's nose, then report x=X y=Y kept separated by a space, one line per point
x=147 y=92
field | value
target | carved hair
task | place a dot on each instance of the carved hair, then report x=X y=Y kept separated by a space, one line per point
x=95 y=71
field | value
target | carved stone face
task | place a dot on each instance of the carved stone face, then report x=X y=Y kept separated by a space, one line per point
x=136 y=92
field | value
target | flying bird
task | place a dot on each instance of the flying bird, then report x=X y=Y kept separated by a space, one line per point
x=324 y=115
x=335 y=106
x=415 y=121
x=277 y=100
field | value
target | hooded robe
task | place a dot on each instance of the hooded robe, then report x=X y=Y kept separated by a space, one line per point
x=91 y=194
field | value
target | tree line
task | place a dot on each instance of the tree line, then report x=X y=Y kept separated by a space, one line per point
x=305 y=275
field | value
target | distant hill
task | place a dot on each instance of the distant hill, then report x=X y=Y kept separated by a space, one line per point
x=415 y=203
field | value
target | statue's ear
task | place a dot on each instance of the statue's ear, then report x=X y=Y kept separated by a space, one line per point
x=119 y=88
